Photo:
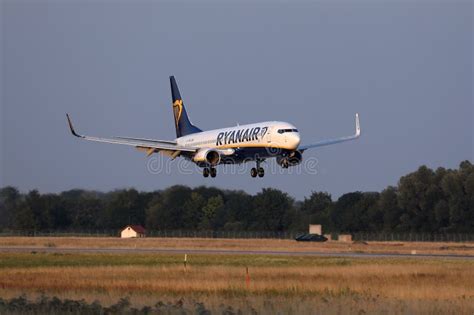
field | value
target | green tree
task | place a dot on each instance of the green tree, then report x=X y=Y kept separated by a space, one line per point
x=418 y=194
x=86 y=209
x=31 y=214
x=124 y=207
x=273 y=210
x=58 y=217
x=315 y=210
x=356 y=211
x=239 y=211
x=193 y=212
x=457 y=186
x=88 y=213
x=388 y=205
x=210 y=211
x=167 y=210
x=344 y=215
x=424 y=201
x=10 y=199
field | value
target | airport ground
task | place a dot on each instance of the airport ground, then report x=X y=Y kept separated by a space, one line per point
x=236 y=245
x=275 y=283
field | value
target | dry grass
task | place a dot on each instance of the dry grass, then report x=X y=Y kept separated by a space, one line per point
x=240 y=244
x=396 y=282
x=286 y=285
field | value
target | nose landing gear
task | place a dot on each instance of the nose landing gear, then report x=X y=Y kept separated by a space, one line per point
x=209 y=171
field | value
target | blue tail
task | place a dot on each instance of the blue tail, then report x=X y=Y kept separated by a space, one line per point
x=183 y=126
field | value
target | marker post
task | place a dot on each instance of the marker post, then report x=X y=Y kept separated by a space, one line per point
x=247 y=277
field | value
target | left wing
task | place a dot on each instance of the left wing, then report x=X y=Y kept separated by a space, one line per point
x=150 y=146
x=334 y=141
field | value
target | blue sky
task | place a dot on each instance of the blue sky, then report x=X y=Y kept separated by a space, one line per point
x=405 y=66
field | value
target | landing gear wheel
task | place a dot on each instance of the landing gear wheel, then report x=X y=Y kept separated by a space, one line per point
x=205 y=172
x=253 y=172
x=213 y=172
x=261 y=172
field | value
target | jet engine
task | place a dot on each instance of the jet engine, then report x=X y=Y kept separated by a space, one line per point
x=291 y=159
x=209 y=156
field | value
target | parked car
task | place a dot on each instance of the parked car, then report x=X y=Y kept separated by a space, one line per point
x=311 y=238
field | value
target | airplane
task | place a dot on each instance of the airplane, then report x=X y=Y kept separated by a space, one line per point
x=233 y=145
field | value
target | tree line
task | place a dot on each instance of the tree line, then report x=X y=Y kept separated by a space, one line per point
x=424 y=201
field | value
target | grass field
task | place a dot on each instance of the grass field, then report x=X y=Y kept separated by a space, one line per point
x=285 y=285
x=241 y=244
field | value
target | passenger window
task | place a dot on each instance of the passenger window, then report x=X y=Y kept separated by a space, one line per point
x=281 y=131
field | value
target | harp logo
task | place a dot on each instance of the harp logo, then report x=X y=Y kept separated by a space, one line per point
x=178 y=110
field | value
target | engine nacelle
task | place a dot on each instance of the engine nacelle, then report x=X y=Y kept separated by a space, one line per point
x=209 y=156
x=292 y=159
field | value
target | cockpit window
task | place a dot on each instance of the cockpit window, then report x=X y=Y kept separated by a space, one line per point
x=287 y=130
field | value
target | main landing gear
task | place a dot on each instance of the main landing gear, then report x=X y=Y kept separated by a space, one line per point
x=257 y=170
x=209 y=171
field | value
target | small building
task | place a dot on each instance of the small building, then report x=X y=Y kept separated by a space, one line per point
x=328 y=236
x=347 y=238
x=315 y=229
x=131 y=231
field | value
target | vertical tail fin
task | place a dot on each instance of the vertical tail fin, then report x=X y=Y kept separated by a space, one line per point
x=183 y=126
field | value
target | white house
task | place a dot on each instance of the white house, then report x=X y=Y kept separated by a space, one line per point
x=133 y=231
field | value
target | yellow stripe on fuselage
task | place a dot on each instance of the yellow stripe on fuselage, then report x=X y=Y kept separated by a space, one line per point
x=253 y=145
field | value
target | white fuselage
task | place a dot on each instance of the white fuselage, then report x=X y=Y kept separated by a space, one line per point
x=269 y=134
x=233 y=145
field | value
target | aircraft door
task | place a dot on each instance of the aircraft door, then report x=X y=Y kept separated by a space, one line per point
x=268 y=135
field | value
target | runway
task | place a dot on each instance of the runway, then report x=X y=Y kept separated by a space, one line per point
x=118 y=250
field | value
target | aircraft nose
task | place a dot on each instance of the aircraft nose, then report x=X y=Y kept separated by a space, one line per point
x=298 y=139
x=295 y=139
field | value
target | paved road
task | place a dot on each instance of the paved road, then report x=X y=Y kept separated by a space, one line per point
x=115 y=250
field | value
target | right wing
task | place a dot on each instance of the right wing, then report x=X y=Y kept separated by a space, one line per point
x=150 y=146
x=334 y=141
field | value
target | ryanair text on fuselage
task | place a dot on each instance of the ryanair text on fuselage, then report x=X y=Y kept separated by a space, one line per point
x=241 y=135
